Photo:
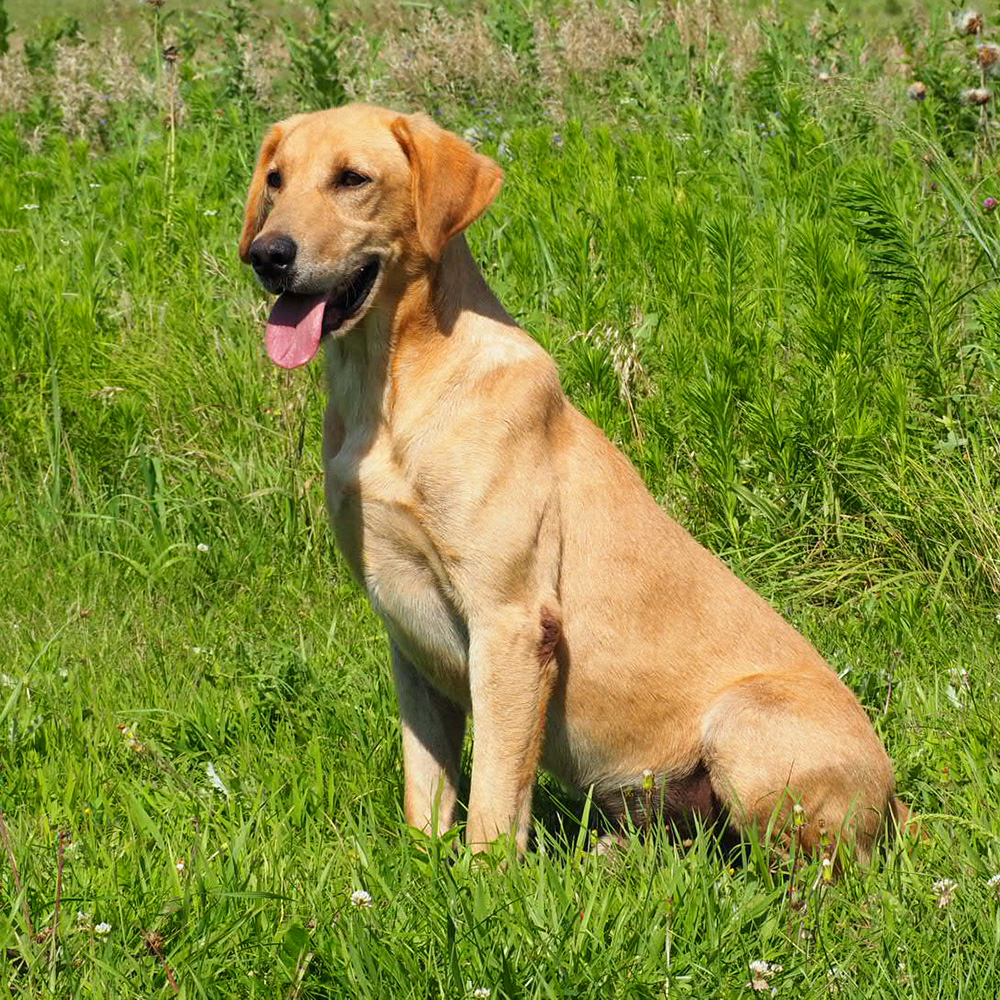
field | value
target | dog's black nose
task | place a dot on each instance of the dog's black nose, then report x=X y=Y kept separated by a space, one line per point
x=273 y=256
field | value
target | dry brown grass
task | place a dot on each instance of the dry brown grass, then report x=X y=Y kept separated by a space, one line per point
x=443 y=54
x=408 y=56
x=16 y=83
x=88 y=80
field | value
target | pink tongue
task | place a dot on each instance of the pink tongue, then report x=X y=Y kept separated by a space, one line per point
x=294 y=329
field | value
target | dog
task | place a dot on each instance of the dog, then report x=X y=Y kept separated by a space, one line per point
x=524 y=573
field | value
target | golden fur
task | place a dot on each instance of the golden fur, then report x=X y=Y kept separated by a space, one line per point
x=524 y=573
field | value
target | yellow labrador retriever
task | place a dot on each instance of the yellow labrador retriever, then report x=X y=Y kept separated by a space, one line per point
x=524 y=573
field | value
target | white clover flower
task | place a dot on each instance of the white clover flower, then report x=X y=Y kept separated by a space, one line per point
x=361 y=900
x=482 y=993
x=103 y=929
x=202 y=547
x=108 y=393
x=944 y=889
x=761 y=973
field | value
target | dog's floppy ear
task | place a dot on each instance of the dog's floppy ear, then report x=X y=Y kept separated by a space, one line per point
x=452 y=184
x=257 y=197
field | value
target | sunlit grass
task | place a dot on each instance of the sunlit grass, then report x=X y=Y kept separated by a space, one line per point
x=782 y=313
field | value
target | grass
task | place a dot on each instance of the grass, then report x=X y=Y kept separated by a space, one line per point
x=778 y=298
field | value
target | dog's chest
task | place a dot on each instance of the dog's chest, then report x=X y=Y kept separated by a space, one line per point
x=378 y=524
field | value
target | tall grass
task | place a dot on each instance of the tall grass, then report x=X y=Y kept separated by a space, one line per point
x=775 y=293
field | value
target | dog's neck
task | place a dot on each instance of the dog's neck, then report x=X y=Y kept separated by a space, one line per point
x=367 y=367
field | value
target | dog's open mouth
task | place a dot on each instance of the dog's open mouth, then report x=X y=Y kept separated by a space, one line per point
x=298 y=322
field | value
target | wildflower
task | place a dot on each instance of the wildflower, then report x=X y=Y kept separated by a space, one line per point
x=988 y=55
x=988 y=205
x=977 y=96
x=103 y=929
x=179 y=865
x=557 y=140
x=969 y=22
x=202 y=547
x=108 y=393
x=84 y=920
x=798 y=814
x=916 y=91
x=210 y=211
x=944 y=889
x=823 y=77
x=482 y=993
x=761 y=973
x=834 y=978
x=132 y=741
x=361 y=900
x=30 y=208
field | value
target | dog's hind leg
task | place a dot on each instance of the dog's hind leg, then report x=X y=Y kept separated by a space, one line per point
x=433 y=730
x=772 y=741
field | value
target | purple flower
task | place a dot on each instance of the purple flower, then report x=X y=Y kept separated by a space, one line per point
x=989 y=204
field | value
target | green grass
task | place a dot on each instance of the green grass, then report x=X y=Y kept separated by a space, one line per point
x=793 y=332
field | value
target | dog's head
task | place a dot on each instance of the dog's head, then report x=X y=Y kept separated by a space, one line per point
x=346 y=207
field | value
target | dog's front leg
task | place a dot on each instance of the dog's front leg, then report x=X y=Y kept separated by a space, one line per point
x=512 y=672
x=433 y=729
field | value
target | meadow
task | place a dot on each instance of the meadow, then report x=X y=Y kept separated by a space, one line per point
x=767 y=265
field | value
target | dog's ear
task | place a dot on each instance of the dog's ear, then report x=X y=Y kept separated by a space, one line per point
x=257 y=197
x=452 y=184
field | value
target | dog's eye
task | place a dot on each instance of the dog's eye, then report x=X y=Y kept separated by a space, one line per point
x=274 y=179
x=352 y=179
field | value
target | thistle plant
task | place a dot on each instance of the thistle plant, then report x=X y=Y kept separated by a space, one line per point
x=971 y=25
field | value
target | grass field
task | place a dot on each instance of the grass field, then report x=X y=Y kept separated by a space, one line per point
x=762 y=269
